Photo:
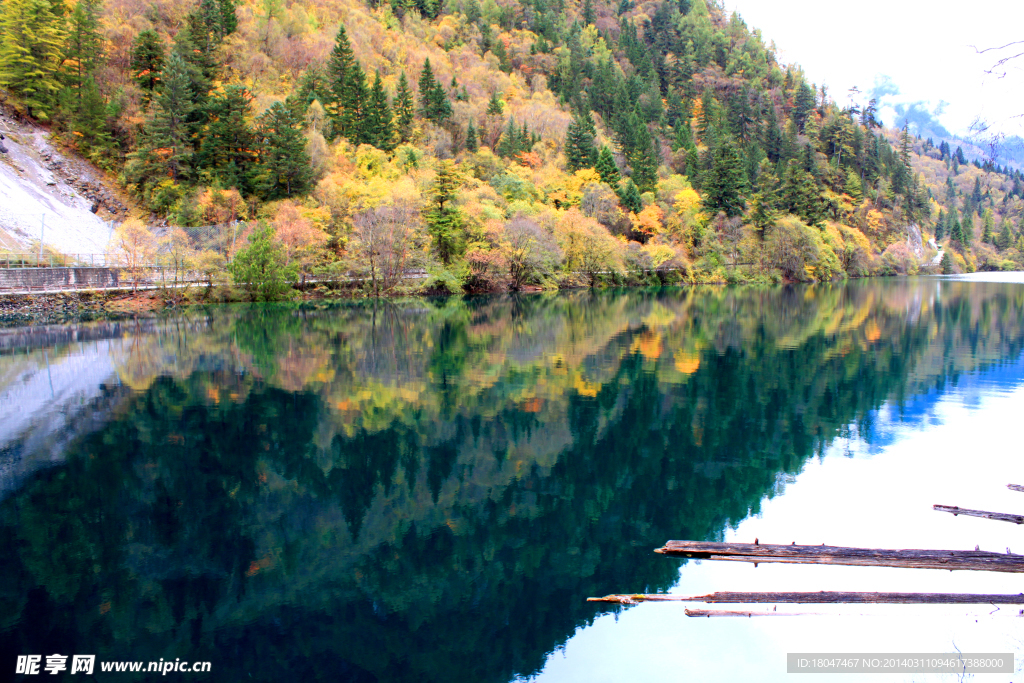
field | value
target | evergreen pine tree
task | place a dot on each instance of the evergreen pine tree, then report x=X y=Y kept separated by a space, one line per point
x=226 y=149
x=967 y=228
x=940 y=227
x=228 y=18
x=588 y=12
x=31 y=44
x=353 y=122
x=852 y=186
x=313 y=87
x=283 y=169
x=956 y=232
x=379 y=121
x=205 y=31
x=810 y=159
x=905 y=147
x=193 y=67
x=580 y=151
x=947 y=263
x=444 y=221
x=165 y=148
x=404 y=110
x=1005 y=238
x=629 y=196
x=725 y=183
x=707 y=116
x=764 y=203
x=987 y=233
x=494 y=106
x=85 y=110
x=434 y=104
x=486 y=38
x=341 y=62
x=340 y=68
x=644 y=158
x=472 y=144
x=868 y=115
x=693 y=166
x=771 y=136
x=501 y=52
x=800 y=194
x=90 y=121
x=427 y=83
x=508 y=143
x=84 y=45
x=803 y=105
x=147 y=61
x=168 y=129
x=606 y=167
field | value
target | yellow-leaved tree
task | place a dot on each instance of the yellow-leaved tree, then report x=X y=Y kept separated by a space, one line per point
x=589 y=249
x=134 y=249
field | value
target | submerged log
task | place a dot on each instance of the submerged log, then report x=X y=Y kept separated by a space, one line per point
x=825 y=597
x=1000 y=516
x=976 y=560
x=1015 y=487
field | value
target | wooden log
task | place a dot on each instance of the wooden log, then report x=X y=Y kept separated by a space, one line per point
x=737 y=613
x=1015 y=487
x=824 y=597
x=975 y=560
x=1000 y=516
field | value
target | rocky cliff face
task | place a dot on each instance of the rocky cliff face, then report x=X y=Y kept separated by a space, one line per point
x=48 y=194
x=914 y=241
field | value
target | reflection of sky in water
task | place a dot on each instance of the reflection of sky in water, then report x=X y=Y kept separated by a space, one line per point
x=891 y=422
x=960 y=446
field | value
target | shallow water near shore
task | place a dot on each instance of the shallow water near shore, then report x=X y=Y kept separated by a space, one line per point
x=430 y=490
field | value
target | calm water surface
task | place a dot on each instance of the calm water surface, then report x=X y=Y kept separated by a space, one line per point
x=428 y=491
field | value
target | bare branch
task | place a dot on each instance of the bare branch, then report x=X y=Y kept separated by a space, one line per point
x=996 y=49
x=995 y=69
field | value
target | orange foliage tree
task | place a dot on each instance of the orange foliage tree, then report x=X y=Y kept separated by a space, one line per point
x=299 y=237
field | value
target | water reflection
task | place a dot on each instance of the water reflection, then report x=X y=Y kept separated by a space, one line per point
x=428 y=490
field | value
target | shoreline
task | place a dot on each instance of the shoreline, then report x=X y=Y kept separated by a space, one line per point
x=118 y=304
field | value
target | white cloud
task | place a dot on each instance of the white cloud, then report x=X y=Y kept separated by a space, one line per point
x=927 y=49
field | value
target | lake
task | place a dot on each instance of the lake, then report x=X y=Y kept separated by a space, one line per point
x=429 y=490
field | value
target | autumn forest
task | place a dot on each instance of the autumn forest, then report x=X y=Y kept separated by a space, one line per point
x=503 y=144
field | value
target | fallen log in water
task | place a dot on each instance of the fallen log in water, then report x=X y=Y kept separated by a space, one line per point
x=824 y=597
x=977 y=560
x=1015 y=487
x=734 y=613
x=1000 y=516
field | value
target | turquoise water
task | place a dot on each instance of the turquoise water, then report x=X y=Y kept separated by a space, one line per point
x=430 y=490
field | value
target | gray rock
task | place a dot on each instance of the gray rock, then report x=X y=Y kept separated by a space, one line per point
x=914 y=241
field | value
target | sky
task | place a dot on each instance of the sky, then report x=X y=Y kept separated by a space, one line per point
x=914 y=51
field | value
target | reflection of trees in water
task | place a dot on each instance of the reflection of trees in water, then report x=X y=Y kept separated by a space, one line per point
x=435 y=499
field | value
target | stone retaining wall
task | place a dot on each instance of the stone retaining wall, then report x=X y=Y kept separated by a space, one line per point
x=28 y=279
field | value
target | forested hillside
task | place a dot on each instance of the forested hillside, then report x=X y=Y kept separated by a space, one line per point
x=497 y=144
